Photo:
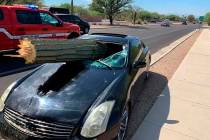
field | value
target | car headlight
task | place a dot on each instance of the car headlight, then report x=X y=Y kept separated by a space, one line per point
x=5 y=95
x=97 y=121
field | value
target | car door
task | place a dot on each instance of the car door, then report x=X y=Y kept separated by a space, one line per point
x=53 y=26
x=28 y=23
x=5 y=28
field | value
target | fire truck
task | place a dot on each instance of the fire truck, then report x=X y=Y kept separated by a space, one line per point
x=27 y=21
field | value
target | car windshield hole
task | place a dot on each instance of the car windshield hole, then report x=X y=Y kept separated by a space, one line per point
x=115 y=57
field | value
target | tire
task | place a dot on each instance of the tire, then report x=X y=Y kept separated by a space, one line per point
x=73 y=35
x=148 y=68
x=123 y=124
x=86 y=31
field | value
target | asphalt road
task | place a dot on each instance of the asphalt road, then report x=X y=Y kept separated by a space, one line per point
x=154 y=36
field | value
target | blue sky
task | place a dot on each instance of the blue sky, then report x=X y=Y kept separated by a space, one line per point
x=180 y=7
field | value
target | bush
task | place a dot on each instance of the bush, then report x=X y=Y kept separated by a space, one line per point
x=139 y=21
x=207 y=18
x=145 y=22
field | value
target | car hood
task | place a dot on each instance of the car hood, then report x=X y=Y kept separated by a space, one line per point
x=65 y=104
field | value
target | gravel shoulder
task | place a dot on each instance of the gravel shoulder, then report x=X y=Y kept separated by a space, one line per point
x=146 y=92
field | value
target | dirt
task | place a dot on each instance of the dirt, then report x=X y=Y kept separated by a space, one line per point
x=146 y=92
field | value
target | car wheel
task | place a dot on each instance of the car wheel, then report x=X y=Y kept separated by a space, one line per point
x=86 y=30
x=123 y=124
x=148 y=68
x=73 y=35
x=147 y=75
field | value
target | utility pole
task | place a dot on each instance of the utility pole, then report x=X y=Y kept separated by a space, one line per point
x=72 y=6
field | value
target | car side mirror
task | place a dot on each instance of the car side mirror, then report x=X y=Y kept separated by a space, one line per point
x=139 y=64
x=59 y=24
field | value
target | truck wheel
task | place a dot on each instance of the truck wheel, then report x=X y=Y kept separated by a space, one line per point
x=73 y=35
x=86 y=30
x=148 y=68
x=123 y=125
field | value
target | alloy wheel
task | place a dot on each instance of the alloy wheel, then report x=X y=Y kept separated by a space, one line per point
x=123 y=125
x=86 y=30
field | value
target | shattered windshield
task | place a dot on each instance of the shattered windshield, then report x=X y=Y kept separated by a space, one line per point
x=117 y=60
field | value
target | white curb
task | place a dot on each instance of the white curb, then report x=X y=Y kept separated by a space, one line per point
x=164 y=51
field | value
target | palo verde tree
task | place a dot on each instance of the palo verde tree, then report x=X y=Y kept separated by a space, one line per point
x=109 y=7
x=191 y=18
x=207 y=18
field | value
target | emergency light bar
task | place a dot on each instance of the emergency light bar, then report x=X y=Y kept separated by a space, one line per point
x=32 y=6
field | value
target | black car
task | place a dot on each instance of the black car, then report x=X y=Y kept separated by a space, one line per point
x=184 y=23
x=84 y=26
x=166 y=23
x=82 y=100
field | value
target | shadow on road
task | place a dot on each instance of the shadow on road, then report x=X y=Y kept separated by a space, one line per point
x=144 y=96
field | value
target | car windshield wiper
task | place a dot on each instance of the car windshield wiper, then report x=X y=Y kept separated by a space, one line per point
x=105 y=64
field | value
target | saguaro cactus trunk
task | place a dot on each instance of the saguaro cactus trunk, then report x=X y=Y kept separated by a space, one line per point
x=52 y=51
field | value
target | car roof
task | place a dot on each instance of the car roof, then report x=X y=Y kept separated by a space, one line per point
x=59 y=14
x=15 y=7
x=21 y=7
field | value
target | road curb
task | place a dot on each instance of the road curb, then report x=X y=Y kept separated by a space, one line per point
x=164 y=51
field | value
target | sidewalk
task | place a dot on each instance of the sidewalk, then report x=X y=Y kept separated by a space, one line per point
x=182 y=112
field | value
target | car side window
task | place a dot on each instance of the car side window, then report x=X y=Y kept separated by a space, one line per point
x=1 y=15
x=48 y=19
x=28 y=17
x=77 y=19
x=71 y=18
x=64 y=18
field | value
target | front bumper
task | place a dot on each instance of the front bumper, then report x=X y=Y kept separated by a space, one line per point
x=8 y=132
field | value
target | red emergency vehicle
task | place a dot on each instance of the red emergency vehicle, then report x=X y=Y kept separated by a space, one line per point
x=18 y=21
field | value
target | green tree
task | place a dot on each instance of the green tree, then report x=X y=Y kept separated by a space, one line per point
x=145 y=15
x=201 y=18
x=207 y=18
x=191 y=18
x=125 y=14
x=82 y=11
x=162 y=17
x=77 y=9
x=174 y=17
x=109 y=7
